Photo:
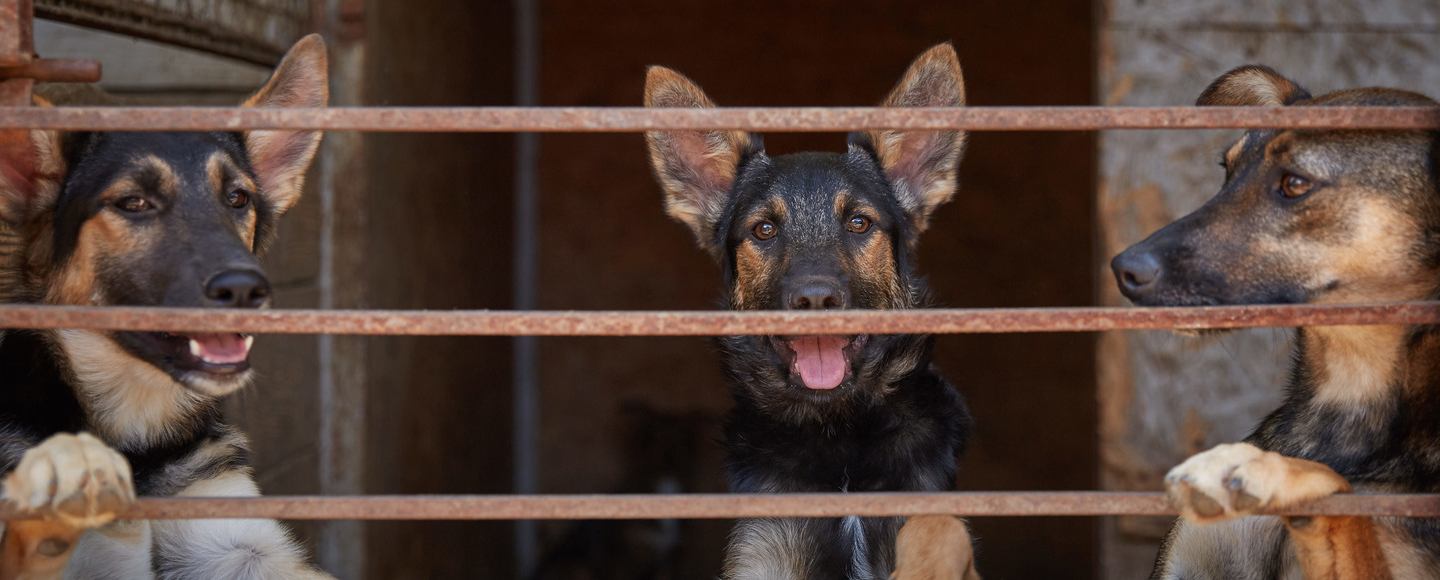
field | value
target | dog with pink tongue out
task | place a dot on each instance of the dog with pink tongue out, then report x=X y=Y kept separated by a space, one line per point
x=823 y=231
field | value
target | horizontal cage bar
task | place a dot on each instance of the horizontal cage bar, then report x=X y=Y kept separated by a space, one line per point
x=619 y=119
x=701 y=506
x=711 y=323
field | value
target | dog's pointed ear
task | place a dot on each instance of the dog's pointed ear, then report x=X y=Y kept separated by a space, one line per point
x=695 y=168
x=30 y=173
x=280 y=158
x=921 y=165
x=1252 y=86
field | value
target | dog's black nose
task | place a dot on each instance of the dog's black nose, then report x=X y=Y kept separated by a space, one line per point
x=815 y=295
x=1135 y=272
x=237 y=289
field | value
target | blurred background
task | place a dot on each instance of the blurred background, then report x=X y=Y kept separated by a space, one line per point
x=574 y=221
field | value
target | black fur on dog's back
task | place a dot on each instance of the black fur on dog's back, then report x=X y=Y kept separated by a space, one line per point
x=823 y=231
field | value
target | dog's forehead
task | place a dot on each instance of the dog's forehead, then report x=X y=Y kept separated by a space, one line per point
x=182 y=152
x=99 y=159
x=1257 y=144
x=809 y=184
x=1329 y=154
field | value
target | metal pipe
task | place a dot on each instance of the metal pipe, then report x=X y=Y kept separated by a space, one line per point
x=525 y=358
x=55 y=70
x=666 y=506
x=710 y=323
x=630 y=119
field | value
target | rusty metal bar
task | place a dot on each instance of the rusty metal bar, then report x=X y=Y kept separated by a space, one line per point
x=16 y=38
x=17 y=48
x=55 y=70
x=620 y=119
x=710 y=323
x=699 y=506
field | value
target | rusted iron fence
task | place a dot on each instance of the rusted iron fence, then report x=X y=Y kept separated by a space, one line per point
x=19 y=69
x=696 y=506
x=623 y=119
x=712 y=323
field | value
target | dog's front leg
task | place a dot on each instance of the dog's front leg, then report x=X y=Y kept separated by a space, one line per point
x=36 y=549
x=934 y=548
x=1239 y=479
x=75 y=482
x=235 y=549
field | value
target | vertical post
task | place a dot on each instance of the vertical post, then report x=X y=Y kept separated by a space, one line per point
x=526 y=348
x=17 y=40
x=17 y=47
x=340 y=547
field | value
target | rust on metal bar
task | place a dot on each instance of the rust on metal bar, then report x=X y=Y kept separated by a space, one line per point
x=17 y=39
x=55 y=70
x=711 y=323
x=618 y=119
x=696 y=506
x=17 y=47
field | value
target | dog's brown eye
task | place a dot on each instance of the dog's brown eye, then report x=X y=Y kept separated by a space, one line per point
x=1295 y=186
x=764 y=230
x=860 y=224
x=237 y=198
x=132 y=204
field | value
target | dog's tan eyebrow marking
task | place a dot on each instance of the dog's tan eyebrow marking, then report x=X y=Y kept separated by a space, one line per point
x=773 y=208
x=215 y=170
x=1280 y=145
x=842 y=201
x=1235 y=150
x=154 y=174
x=219 y=166
x=121 y=187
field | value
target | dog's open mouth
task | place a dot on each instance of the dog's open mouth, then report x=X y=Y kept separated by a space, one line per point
x=222 y=353
x=819 y=362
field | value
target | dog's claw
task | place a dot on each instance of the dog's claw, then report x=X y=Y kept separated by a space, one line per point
x=1245 y=502
x=1205 y=505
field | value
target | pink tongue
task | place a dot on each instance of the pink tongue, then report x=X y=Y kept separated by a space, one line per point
x=227 y=348
x=820 y=360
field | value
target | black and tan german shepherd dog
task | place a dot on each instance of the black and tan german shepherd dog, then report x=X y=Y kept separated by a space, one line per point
x=823 y=231
x=90 y=419
x=1312 y=217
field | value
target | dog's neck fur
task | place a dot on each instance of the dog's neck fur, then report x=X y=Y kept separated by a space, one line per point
x=1354 y=365
x=126 y=402
x=1362 y=389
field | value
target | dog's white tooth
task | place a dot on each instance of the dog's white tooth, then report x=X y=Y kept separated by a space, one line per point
x=249 y=341
x=195 y=347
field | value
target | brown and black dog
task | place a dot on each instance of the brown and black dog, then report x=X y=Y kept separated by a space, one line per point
x=89 y=419
x=1314 y=217
x=824 y=231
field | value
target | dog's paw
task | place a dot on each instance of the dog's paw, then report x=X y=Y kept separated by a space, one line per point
x=1238 y=479
x=75 y=479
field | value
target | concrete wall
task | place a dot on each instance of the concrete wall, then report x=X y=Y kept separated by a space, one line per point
x=1164 y=397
